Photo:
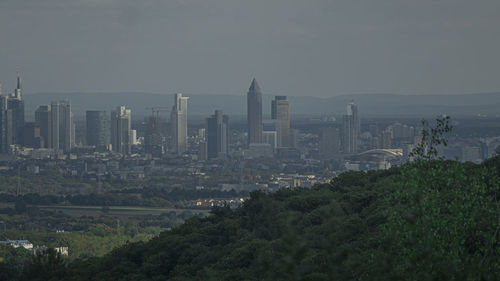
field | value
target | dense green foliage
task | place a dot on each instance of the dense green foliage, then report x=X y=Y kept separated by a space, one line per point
x=86 y=236
x=171 y=190
x=436 y=220
x=12 y=261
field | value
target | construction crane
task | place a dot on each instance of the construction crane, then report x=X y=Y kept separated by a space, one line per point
x=155 y=114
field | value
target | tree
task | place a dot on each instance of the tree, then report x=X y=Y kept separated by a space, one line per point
x=46 y=265
x=432 y=138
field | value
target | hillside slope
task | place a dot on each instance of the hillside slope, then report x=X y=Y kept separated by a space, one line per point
x=423 y=221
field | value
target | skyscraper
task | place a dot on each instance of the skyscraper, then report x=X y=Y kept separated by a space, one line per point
x=121 y=122
x=280 y=110
x=42 y=121
x=178 y=119
x=98 y=129
x=62 y=126
x=16 y=106
x=31 y=135
x=350 y=129
x=15 y=103
x=11 y=118
x=3 y=124
x=217 y=135
x=153 y=137
x=352 y=109
x=254 y=113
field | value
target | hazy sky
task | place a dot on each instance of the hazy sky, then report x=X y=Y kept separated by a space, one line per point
x=293 y=47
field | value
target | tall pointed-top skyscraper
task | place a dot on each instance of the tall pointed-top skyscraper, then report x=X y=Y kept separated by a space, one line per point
x=178 y=119
x=254 y=113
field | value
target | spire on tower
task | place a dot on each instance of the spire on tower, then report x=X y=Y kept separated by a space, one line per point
x=254 y=87
x=18 y=81
x=17 y=91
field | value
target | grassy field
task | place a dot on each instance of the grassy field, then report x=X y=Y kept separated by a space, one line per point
x=120 y=211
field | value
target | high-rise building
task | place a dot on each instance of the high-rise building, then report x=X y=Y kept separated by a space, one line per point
x=329 y=143
x=121 y=127
x=62 y=126
x=54 y=125
x=31 y=135
x=98 y=129
x=4 y=141
x=350 y=129
x=217 y=135
x=254 y=113
x=15 y=115
x=11 y=118
x=133 y=137
x=352 y=110
x=280 y=110
x=153 y=137
x=203 y=151
x=42 y=121
x=3 y=122
x=178 y=119
x=16 y=106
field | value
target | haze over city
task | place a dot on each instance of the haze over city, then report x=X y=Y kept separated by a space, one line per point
x=249 y=140
x=297 y=48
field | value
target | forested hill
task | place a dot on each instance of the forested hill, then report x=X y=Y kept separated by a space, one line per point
x=423 y=221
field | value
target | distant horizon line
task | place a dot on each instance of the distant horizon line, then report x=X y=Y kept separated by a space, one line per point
x=265 y=94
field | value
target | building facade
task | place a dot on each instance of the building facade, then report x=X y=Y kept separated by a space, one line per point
x=121 y=130
x=217 y=130
x=62 y=126
x=280 y=110
x=350 y=129
x=254 y=113
x=98 y=129
x=42 y=121
x=178 y=119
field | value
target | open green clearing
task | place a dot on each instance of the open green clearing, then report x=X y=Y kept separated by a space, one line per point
x=126 y=211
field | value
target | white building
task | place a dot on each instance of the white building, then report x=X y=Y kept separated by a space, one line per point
x=178 y=119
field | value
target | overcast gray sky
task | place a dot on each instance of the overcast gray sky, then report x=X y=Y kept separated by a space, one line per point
x=294 y=47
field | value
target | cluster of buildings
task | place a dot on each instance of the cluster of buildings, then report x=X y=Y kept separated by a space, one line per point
x=29 y=246
x=53 y=130
x=53 y=127
x=345 y=143
x=52 y=134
